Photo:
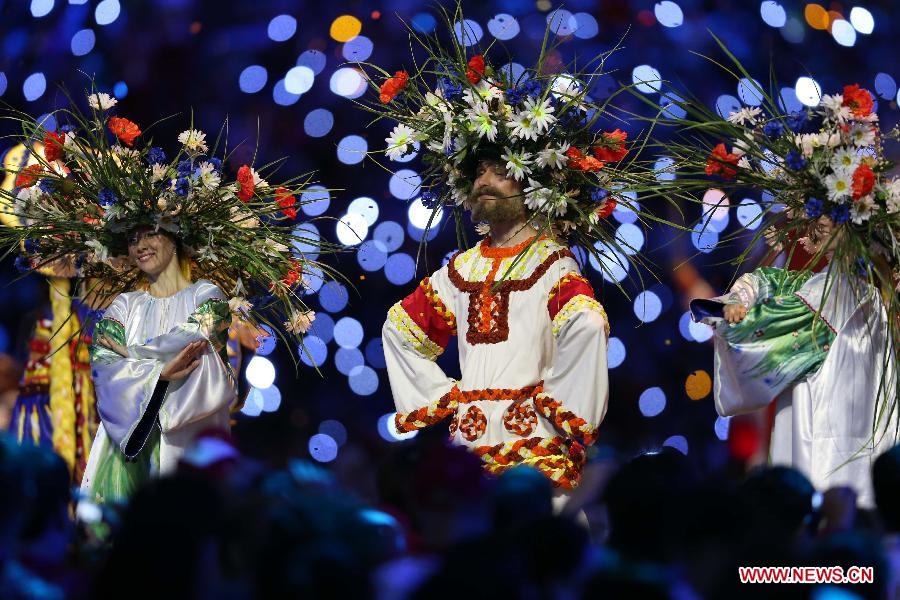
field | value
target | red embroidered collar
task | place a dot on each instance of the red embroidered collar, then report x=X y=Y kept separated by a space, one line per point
x=489 y=251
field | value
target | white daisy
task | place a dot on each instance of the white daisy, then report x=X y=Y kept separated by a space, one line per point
x=482 y=122
x=399 y=141
x=845 y=158
x=839 y=184
x=861 y=134
x=522 y=126
x=893 y=195
x=157 y=172
x=836 y=109
x=101 y=101
x=240 y=306
x=124 y=153
x=300 y=322
x=536 y=195
x=193 y=140
x=862 y=209
x=558 y=203
x=541 y=113
x=807 y=142
x=745 y=116
x=553 y=157
x=484 y=91
x=208 y=176
x=518 y=164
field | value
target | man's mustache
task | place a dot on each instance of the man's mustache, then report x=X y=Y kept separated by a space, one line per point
x=488 y=190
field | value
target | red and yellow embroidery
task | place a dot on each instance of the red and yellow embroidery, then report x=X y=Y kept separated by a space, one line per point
x=520 y=418
x=574 y=306
x=412 y=334
x=565 y=420
x=428 y=415
x=559 y=459
x=473 y=424
x=488 y=317
x=571 y=294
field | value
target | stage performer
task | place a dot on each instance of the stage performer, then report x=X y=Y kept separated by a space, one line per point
x=142 y=229
x=532 y=336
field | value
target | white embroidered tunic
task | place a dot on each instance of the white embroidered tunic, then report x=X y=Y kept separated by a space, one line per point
x=532 y=353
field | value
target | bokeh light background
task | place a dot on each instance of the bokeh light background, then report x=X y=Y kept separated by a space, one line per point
x=282 y=72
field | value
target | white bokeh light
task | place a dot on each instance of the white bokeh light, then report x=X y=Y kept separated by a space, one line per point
x=352 y=229
x=260 y=372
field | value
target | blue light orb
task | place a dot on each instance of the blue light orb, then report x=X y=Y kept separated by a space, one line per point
x=467 y=32
x=400 y=268
x=334 y=429
x=267 y=343
x=647 y=306
x=41 y=8
x=704 y=239
x=313 y=352
x=503 y=27
x=107 y=11
x=281 y=96
x=372 y=255
x=333 y=296
x=365 y=207
x=347 y=82
x=83 y=42
x=612 y=263
x=726 y=104
x=352 y=149
x=253 y=79
x=652 y=402
x=684 y=326
x=3 y=83
x=314 y=59
x=721 y=427
x=587 y=26
x=423 y=23
x=348 y=333
x=646 y=79
x=562 y=22
x=358 y=49
x=347 y=359
x=298 y=80
x=885 y=86
x=615 y=353
x=750 y=92
x=315 y=200
x=668 y=14
x=679 y=442
x=282 y=28
x=363 y=381
x=120 y=89
x=306 y=241
x=389 y=233
x=405 y=184
x=630 y=238
x=749 y=214
x=773 y=14
x=323 y=327
x=34 y=86
x=387 y=429
x=318 y=122
x=323 y=448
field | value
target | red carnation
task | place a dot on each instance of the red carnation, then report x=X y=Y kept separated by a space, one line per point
x=858 y=99
x=607 y=208
x=612 y=148
x=124 y=129
x=28 y=176
x=863 y=181
x=245 y=183
x=393 y=86
x=286 y=201
x=579 y=162
x=719 y=162
x=476 y=69
x=53 y=146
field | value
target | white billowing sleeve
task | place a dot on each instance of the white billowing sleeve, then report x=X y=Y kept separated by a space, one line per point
x=576 y=387
x=415 y=333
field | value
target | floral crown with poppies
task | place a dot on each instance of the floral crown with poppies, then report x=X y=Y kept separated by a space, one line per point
x=91 y=181
x=541 y=123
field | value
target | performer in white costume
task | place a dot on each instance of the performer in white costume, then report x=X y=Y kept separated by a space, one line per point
x=160 y=370
x=142 y=228
x=818 y=346
x=532 y=348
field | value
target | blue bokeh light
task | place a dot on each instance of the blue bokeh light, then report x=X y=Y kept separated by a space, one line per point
x=652 y=401
x=363 y=380
x=334 y=296
x=34 y=86
x=389 y=233
x=107 y=12
x=315 y=200
x=323 y=448
x=313 y=352
x=358 y=49
x=503 y=27
x=282 y=28
x=647 y=306
x=323 y=327
x=352 y=149
x=314 y=59
x=253 y=79
x=615 y=354
x=372 y=255
x=347 y=359
x=348 y=333
x=83 y=42
x=318 y=122
x=400 y=268
x=405 y=184
x=679 y=442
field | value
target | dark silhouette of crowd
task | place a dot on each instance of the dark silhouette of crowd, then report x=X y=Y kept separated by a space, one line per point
x=226 y=526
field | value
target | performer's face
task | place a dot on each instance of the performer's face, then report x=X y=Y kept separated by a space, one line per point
x=150 y=250
x=495 y=198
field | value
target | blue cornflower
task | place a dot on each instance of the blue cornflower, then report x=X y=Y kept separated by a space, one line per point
x=515 y=95
x=773 y=129
x=23 y=265
x=32 y=245
x=814 y=208
x=533 y=88
x=451 y=90
x=107 y=197
x=431 y=200
x=840 y=214
x=67 y=128
x=794 y=160
x=48 y=186
x=797 y=120
x=184 y=168
x=156 y=156
x=599 y=194
x=182 y=186
x=216 y=163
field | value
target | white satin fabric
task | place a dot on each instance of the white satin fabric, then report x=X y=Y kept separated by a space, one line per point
x=156 y=329
x=831 y=425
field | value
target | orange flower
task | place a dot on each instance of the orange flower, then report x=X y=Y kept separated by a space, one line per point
x=858 y=99
x=53 y=146
x=612 y=147
x=124 y=129
x=579 y=162
x=393 y=86
x=286 y=201
x=609 y=205
x=719 y=162
x=863 y=181
x=245 y=183
x=28 y=176
x=475 y=70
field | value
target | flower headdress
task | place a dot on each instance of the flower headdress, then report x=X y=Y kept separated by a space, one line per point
x=542 y=125
x=94 y=181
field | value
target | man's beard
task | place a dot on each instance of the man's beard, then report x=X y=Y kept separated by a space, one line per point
x=499 y=209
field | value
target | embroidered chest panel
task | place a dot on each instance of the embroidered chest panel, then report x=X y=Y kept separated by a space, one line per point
x=488 y=314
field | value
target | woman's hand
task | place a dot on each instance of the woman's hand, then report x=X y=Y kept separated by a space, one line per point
x=110 y=344
x=184 y=362
x=735 y=313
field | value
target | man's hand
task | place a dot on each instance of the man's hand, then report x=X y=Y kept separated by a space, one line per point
x=735 y=313
x=184 y=362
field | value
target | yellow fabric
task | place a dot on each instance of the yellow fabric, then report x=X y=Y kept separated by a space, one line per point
x=62 y=389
